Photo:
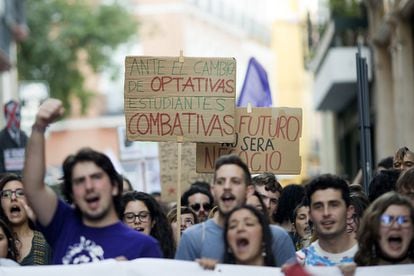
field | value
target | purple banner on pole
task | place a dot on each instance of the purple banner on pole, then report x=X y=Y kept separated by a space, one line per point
x=255 y=90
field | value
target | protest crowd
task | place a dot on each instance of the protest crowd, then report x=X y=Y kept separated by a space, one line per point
x=242 y=218
x=237 y=219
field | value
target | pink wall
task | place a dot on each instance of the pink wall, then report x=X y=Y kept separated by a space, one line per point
x=62 y=143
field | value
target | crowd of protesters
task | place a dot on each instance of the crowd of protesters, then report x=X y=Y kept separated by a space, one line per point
x=237 y=219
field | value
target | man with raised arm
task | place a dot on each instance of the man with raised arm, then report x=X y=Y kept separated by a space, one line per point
x=92 y=230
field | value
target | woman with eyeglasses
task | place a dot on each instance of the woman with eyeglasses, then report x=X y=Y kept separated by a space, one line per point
x=143 y=213
x=385 y=235
x=31 y=244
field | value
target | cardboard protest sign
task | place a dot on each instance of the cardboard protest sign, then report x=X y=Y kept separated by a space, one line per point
x=267 y=140
x=168 y=169
x=180 y=99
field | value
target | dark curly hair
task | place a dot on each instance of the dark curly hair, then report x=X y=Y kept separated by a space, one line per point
x=100 y=160
x=161 y=230
x=12 y=252
x=327 y=181
x=360 y=203
x=267 y=241
x=195 y=190
x=386 y=163
x=291 y=196
x=382 y=182
x=368 y=236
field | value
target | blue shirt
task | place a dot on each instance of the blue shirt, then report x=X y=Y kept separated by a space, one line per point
x=206 y=240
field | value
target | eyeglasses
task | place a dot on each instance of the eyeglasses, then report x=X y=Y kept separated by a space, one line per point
x=8 y=193
x=197 y=206
x=388 y=220
x=142 y=216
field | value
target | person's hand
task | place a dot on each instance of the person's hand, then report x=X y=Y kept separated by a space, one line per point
x=294 y=269
x=49 y=111
x=348 y=269
x=30 y=214
x=4 y=62
x=294 y=266
x=20 y=32
x=207 y=263
x=121 y=258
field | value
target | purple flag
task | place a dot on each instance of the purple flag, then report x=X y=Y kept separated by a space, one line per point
x=255 y=90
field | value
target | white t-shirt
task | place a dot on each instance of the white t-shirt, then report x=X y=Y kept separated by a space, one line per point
x=314 y=255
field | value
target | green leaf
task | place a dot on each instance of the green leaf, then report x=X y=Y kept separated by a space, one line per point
x=60 y=31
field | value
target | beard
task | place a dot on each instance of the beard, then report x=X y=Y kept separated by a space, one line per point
x=225 y=211
x=329 y=235
x=95 y=217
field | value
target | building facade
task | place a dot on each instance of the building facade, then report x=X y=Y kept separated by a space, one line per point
x=386 y=32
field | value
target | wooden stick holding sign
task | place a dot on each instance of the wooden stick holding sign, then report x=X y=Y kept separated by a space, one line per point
x=179 y=151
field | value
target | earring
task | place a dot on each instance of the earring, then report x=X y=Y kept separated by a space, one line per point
x=263 y=250
x=374 y=251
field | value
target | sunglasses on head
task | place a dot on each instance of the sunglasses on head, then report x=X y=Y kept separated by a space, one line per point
x=197 y=206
